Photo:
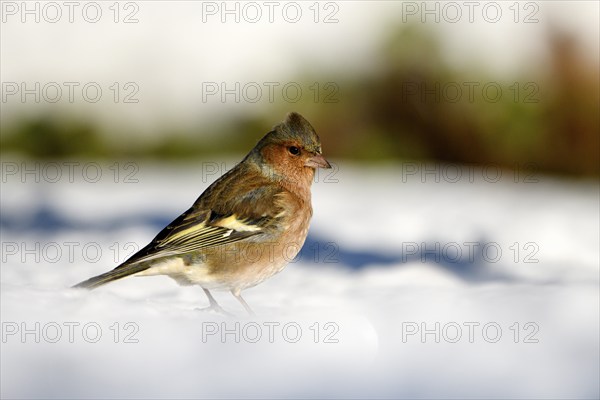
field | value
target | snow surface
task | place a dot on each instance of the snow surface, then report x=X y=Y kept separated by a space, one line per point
x=381 y=267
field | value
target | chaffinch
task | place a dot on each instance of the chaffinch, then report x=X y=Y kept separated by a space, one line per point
x=245 y=227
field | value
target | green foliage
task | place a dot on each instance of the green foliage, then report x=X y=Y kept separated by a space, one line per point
x=546 y=117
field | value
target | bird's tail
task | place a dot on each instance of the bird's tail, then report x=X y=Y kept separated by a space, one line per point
x=120 y=272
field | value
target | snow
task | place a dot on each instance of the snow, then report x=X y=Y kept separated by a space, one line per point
x=379 y=305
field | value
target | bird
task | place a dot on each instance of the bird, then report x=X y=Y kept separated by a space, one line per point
x=245 y=227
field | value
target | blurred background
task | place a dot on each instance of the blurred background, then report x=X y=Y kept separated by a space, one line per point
x=465 y=139
x=511 y=84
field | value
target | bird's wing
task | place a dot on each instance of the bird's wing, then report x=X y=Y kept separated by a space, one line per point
x=200 y=227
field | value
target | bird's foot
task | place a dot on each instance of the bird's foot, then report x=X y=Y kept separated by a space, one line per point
x=214 y=309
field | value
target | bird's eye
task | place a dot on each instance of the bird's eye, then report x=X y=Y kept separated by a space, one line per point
x=294 y=150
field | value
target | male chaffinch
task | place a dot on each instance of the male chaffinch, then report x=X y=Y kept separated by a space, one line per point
x=245 y=227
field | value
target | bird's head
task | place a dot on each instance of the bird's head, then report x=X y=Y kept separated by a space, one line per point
x=291 y=151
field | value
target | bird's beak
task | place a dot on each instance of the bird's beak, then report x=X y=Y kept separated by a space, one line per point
x=317 y=161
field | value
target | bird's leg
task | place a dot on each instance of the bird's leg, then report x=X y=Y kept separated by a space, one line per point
x=237 y=295
x=214 y=306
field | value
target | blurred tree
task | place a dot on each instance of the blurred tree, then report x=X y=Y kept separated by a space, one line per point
x=404 y=108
